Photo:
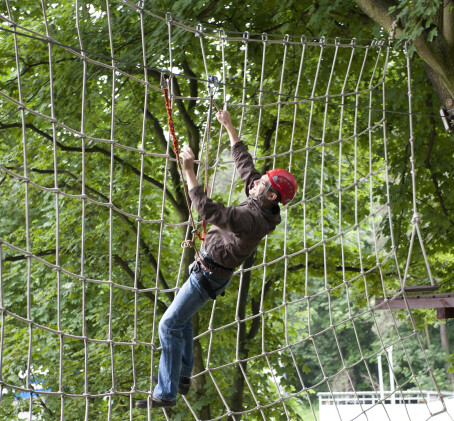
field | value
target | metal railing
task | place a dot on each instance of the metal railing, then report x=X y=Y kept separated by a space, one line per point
x=387 y=397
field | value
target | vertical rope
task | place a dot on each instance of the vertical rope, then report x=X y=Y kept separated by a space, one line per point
x=245 y=66
x=339 y=185
x=286 y=234
x=416 y=220
x=309 y=124
x=214 y=178
x=27 y=201
x=2 y=331
x=372 y=216
x=260 y=99
x=344 y=279
x=265 y=248
x=371 y=173
x=111 y=223
x=57 y=212
x=355 y=134
x=139 y=214
x=385 y=152
x=207 y=133
x=305 y=176
x=84 y=204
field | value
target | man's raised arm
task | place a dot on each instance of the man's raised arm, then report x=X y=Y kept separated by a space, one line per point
x=243 y=160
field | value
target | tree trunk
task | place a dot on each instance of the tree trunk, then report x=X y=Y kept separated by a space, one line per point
x=444 y=91
x=444 y=337
x=200 y=381
x=437 y=55
x=237 y=397
x=445 y=346
x=426 y=329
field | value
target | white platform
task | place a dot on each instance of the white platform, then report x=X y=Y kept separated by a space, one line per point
x=367 y=406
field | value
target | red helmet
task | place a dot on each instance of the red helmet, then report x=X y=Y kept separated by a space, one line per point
x=284 y=183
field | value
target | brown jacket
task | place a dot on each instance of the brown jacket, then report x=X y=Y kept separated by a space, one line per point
x=236 y=231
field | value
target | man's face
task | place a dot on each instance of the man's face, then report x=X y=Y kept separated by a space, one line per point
x=259 y=186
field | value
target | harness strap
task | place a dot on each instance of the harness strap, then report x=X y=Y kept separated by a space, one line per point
x=203 y=280
x=206 y=286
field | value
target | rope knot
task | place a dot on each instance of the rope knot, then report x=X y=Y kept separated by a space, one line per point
x=187 y=244
x=416 y=219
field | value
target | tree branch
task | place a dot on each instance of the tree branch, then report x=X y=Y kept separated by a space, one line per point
x=30 y=66
x=208 y=11
x=448 y=23
x=193 y=83
x=143 y=244
x=378 y=11
x=180 y=202
x=192 y=129
x=97 y=149
x=439 y=58
x=130 y=224
x=433 y=174
x=255 y=307
x=124 y=265
x=41 y=401
x=23 y=257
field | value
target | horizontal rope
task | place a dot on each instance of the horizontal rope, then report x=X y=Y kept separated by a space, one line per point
x=82 y=54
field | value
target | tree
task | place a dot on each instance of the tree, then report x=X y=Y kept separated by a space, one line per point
x=429 y=25
x=106 y=216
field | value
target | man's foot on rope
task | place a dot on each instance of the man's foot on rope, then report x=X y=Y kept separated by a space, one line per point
x=183 y=385
x=155 y=403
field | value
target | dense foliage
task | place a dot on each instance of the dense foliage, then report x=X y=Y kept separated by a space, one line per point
x=108 y=238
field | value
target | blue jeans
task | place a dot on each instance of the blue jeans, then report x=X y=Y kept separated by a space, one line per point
x=175 y=334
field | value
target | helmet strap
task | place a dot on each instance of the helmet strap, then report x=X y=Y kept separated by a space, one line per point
x=263 y=197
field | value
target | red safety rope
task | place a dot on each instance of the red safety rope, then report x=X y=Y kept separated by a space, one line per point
x=176 y=149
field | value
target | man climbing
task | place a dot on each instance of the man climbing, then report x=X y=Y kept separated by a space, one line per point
x=235 y=233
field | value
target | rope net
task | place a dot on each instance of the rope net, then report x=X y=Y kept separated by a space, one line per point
x=93 y=214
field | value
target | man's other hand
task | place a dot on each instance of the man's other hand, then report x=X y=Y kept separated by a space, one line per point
x=188 y=158
x=224 y=117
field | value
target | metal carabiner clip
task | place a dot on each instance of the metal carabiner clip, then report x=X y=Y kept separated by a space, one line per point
x=164 y=81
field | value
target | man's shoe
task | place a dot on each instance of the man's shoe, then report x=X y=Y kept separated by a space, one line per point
x=183 y=385
x=155 y=403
